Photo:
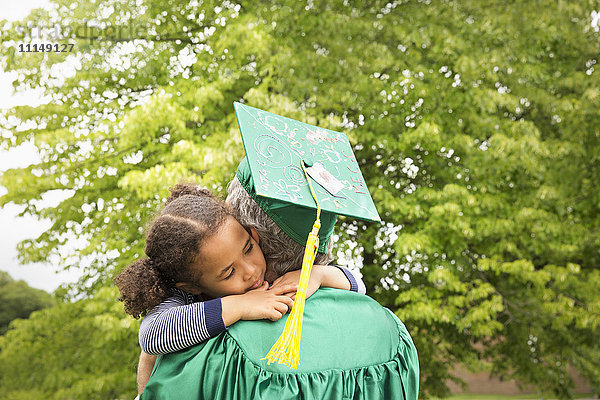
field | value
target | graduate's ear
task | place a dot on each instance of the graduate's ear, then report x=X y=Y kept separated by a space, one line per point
x=254 y=235
x=188 y=287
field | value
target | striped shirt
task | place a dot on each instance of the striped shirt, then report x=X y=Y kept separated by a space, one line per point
x=185 y=320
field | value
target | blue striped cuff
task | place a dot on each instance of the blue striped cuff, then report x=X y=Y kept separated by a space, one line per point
x=353 y=284
x=213 y=313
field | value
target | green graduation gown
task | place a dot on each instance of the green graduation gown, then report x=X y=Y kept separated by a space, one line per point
x=351 y=348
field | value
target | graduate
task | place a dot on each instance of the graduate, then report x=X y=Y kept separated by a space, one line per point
x=336 y=344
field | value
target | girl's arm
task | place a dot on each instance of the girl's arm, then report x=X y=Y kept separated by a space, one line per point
x=356 y=283
x=178 y=322
x=323 y=276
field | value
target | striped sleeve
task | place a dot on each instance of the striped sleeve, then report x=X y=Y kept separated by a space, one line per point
x=178 y=323
x=356 y=283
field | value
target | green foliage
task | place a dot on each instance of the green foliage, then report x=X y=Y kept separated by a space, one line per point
x=82 y=350
x=18 y=300
x=476 y=127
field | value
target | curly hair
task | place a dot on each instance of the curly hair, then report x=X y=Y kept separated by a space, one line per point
x=281 y=252
x=173 y=242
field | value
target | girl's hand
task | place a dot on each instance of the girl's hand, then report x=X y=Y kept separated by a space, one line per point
x=315 y=281
x=259 y=303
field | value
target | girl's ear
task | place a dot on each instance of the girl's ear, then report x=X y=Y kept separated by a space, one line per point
x=188 y=287
x=254 y=235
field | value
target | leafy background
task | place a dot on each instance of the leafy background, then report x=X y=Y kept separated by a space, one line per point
x=476 y=126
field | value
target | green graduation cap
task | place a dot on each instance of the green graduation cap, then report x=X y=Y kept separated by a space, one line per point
x=296 y=222
x=291 y=169
x=277 y=148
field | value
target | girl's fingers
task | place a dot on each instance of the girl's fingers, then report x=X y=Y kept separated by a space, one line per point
x=277 y=283
x=263 y=287
x=289 y=303
x=281 y=307
x=290 y=294
x=286 y=288
x=276 y=315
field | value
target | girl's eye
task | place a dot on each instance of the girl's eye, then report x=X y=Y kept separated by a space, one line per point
x=250 y=248
x=231 y=273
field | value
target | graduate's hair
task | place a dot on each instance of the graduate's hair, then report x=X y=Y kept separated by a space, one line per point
x=281 y=252
x=173 y=241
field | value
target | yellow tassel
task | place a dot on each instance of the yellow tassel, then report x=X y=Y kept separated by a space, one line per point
x=287 y=348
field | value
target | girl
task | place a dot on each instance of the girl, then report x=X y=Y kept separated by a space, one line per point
x=204 y=272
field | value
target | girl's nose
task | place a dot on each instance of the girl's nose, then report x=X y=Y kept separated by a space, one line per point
x=249 y=271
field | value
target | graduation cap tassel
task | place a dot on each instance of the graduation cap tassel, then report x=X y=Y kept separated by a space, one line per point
x=287 y=348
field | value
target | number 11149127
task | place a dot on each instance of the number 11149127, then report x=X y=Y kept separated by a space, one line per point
x=46 y=47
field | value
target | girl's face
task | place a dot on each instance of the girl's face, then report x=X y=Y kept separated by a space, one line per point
x=229 y=262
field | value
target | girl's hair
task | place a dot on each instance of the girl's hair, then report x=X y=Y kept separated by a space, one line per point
x=173 y=242
x=281 y=252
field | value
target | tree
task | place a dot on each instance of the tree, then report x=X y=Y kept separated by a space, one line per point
x=476 y=129
x=18 y=300
x=82 y=350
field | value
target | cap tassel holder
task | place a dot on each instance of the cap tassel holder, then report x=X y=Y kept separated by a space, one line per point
x=287 y=348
